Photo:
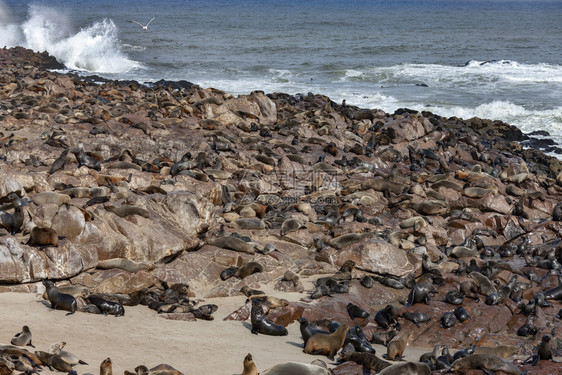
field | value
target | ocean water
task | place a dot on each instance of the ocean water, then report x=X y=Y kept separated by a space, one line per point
x=498 y=59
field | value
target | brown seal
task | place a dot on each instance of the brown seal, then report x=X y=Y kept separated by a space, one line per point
x=326 y=344
x=23 y=338
x=106 y=367
x=367 y=360
x=249 y=366
x=396 y=347
x=43 y=237
x=484 y=361
x=269 y=301
x=248 y=269
x=54 y=361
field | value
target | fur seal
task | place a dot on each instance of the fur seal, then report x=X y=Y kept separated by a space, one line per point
x=383 y=337
x=448 y=320
x=23 y=338
x=367 y=281
x=461 y=314
x=408 y=368
x=43 y=237
x=470 y=290
x=290 y=225
x=484 y=362
x=454 y=297
x=13 y=222
x=485 y=286
x=53 y=361
x=554 y=293
x=544 y=352
x=387 y=317
x=260 y=324
x=124 y=264
x=420 y=293
x=56 y=349
x=106 y=367
x=248 y=292
x=293 y=368
x=248 y=269
x=107 y=307
x=557 y=212
x=59 y=300
x=249 y=366
x=503 y=351
x=307 y=329
x=355 y=311
x=327 y=345
x=416 y=317
x=269 y=301
x=395 y=348
x=232 y=243
x=84 y=159
x=356 y=337
x=127 y=210
x=369 y=361
x=59 y=162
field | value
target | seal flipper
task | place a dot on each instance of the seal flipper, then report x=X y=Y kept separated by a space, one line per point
x=82 y=362
x=366 y=370
x=410 y=300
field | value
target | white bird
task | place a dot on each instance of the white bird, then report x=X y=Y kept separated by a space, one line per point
x=144 y=27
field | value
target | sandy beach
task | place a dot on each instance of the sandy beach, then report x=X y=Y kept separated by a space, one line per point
x=142 y=337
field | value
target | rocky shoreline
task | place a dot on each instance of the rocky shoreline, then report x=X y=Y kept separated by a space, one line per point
x=149 y=187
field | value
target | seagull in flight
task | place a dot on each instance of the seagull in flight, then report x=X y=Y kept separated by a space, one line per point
x=144 y=27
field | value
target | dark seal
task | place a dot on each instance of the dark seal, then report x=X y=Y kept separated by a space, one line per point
x=107 y=307
x=260 y=324
x=60 y=301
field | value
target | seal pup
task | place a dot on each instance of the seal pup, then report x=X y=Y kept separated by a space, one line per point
x=461 y=314
x=56 y=349
x=387 y=317
x=395 y=348
x=356 y=312
x=260 y=324
x=420 y=293
x=43 y=237
x=416 y=317
x=448 y=319
x=59 y=300
x=22 y=338
x=59 y=162
x=383 y=337
x=107 y=307
x=408 y=368
x=544 y=352
x=106 y=367
x=13 y=222
x=327 y=345
x=249 y=366
x=484 y=362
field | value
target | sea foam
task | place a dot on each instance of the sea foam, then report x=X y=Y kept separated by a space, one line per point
x=93 y=49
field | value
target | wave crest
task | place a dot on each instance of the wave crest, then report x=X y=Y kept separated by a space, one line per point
x=95 y=49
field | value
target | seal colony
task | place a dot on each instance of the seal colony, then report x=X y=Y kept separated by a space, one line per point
x=170 y=187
